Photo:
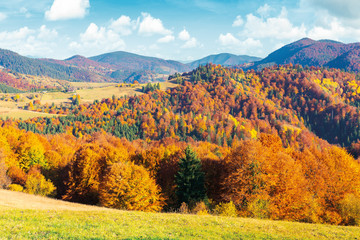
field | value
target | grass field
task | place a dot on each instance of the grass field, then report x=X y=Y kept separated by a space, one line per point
x=88 y=93
x=11 y=110
x=25 y=216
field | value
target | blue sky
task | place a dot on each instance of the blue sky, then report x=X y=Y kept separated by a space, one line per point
x=171 y=29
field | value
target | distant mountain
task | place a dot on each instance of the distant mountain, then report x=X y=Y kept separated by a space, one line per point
x=130 y=61
x=124 y=66
x=315 y=53
x=37 y=67
x=349 y=61
x=92 y=71
x=225 y=59
x=110 y=67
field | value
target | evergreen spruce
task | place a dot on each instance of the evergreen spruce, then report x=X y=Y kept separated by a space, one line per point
x=190 y=179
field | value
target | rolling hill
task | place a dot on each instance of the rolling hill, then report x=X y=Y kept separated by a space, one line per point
x=109 y=67
x=123 y=66
x=308 y=52
x=130 y=61
x=225 y=59
x=37 y=67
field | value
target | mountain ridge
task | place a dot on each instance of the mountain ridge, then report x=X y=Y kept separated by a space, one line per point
x=309 y=52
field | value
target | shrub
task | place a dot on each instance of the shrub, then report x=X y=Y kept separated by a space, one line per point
x=38 y=185
x=259 y=208
x=350 y=209
x=15 y=188
x=17 y=175
x=200 y=209
x=184 y=209
x=226 y=209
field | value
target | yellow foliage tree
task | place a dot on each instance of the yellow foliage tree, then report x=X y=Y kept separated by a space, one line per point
x=38 y=185
x=128 y=186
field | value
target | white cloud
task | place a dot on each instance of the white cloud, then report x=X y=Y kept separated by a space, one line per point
x=264 y=10
x=166 y=39
x=150 y=26
x=124 y=25
x=25 y=11
x=93 y=33
x=335 y=31
x=190 y=42
x=348 y=9
x=67 y=9
x=3 y=16
x=278 y=27
x=47 y=34
x=97 y=40
x=184 y=35
x=238 y=21
x=228 y=39
x=30 y=42
x=19 y=34
x=248 y=46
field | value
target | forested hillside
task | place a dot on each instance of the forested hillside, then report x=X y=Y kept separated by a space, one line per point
x=218 y=105
x=258 y=144
x=308 y=52
x=36 y=67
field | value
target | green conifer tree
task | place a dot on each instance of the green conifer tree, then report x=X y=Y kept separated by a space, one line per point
x=190 y=179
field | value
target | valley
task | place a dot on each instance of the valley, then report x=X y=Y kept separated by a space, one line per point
x=241 y=147
x=200 y=119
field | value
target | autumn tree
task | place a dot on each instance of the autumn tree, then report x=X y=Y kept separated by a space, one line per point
x=129 y=186
x=85 y=174
x=190 y=179
x=264 y=181
x=30 y=151
x=88 y=168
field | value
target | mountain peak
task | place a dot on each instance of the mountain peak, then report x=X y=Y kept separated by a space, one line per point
x=75 y=57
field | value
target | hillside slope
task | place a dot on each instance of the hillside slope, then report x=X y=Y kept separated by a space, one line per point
x=109 y=67
x=37 y=67
x=23 y=216
x=19 y=200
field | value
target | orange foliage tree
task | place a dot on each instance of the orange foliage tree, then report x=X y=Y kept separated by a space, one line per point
x=129 y=186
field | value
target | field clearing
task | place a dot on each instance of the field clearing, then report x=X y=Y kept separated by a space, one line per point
x=24 y=216
x=89 y=95
x=20 y=113
x=91 y=84
x=90 y=92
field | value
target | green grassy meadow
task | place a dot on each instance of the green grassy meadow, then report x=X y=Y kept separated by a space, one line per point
x=116 y=224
